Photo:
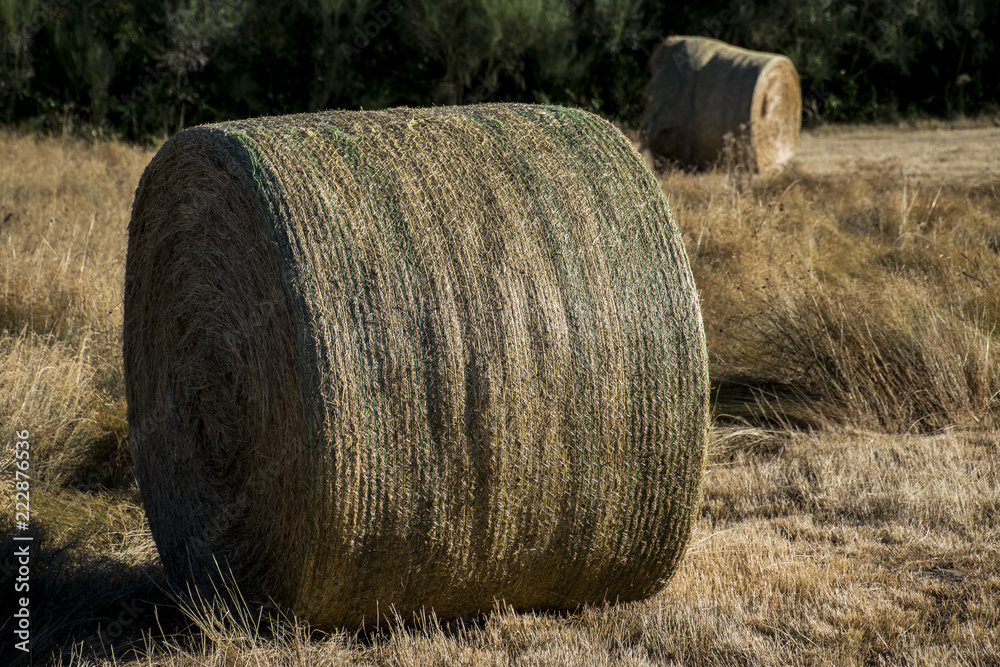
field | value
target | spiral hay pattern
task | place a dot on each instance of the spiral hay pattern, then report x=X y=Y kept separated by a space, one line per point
x=702 y=90
x=385 y=362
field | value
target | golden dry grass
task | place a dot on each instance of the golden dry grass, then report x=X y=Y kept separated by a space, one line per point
x=870 y=539
x=63 y=212
x=867 y=298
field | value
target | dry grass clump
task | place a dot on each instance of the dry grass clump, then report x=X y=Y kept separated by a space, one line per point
x=867 y=300
x=63 y=214
x=704 y=93
x=898 y=357
x=855 y=548
x=412 y=360
x=53 y=389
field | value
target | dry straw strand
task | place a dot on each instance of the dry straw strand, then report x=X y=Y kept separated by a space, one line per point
x=385 y=362
x=702 y=90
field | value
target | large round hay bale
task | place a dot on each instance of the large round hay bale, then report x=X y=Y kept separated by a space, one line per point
x=384 y=362
x=702 y=90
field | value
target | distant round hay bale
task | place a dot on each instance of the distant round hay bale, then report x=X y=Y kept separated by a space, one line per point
x=702 y=89
x=385 y=362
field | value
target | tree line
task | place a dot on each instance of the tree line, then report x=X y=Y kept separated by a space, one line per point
x=145 y=68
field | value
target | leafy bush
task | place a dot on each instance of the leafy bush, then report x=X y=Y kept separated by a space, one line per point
x=150 y=67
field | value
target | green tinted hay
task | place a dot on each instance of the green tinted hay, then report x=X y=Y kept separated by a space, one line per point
x=702 y=89
x=413 y=359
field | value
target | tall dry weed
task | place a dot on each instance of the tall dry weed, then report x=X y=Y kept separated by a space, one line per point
x=867 y=299
x=64 y=209
x=894 y=359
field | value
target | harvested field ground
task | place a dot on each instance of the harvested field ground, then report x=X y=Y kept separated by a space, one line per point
x=851 y=507
x=963 y=155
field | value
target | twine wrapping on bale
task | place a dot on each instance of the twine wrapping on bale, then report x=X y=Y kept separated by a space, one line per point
x=702 y=90
x=385 y=362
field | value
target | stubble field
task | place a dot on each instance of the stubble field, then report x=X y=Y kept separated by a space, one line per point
x=851 y=505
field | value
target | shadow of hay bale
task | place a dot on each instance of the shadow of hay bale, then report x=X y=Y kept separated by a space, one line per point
x=80 y=601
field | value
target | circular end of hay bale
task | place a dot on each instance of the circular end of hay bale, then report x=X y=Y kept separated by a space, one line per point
x=775 y=115
x=413 y=360
x=215 y=408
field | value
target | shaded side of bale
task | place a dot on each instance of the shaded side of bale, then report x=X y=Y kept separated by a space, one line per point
x=702 y=90
x=414 y=359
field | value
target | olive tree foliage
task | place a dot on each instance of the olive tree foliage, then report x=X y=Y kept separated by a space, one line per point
x=195 y=29
x=146 y=68
x=337 y=25
x=618 y=24
x=19 y=21
x=614 y=38
x=475 y=45
x=88 y=54
x=879 y=58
